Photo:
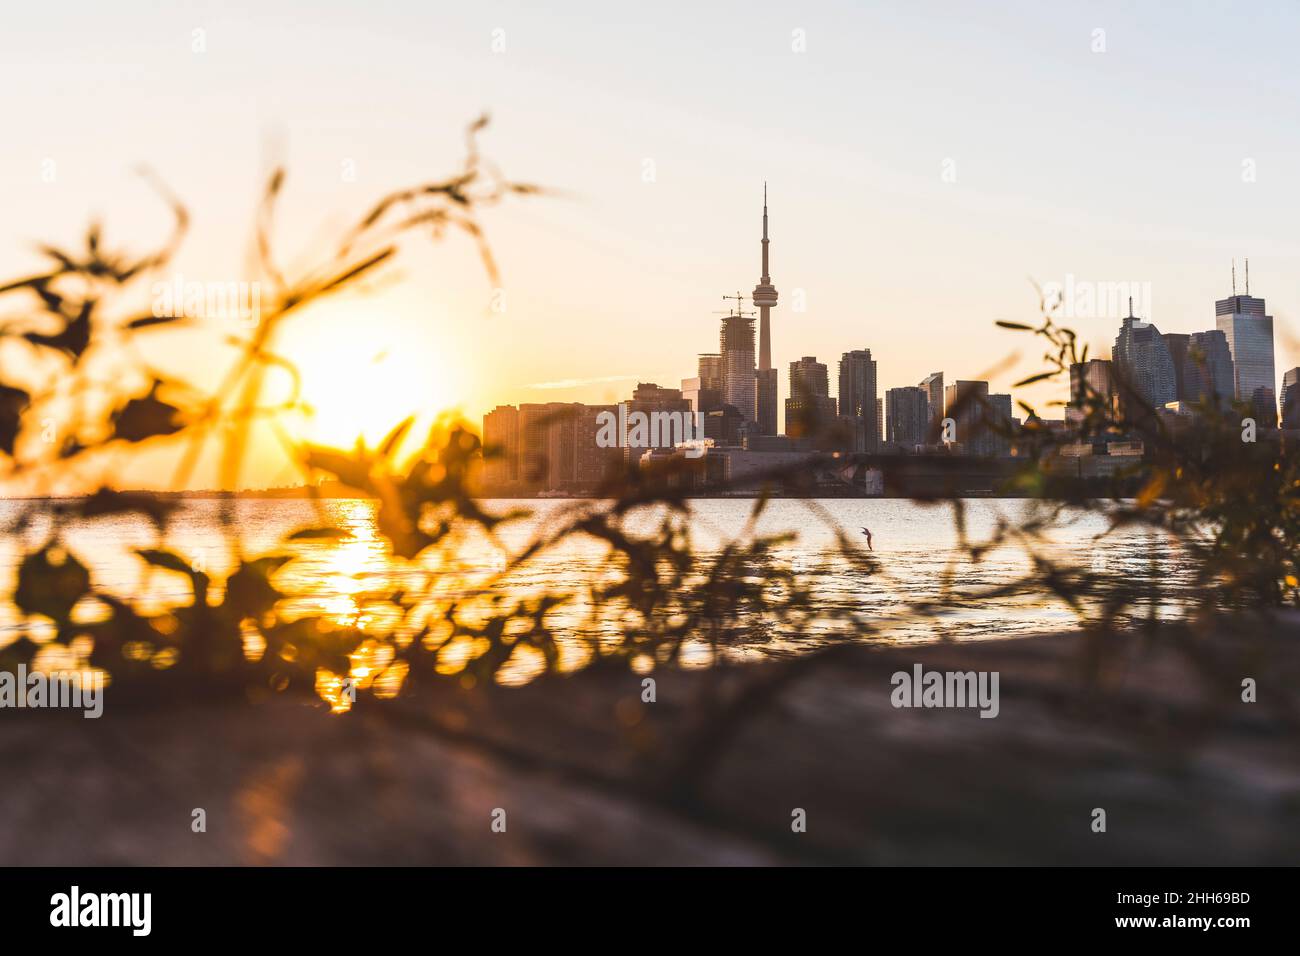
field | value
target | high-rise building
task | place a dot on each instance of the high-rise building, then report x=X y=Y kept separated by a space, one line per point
x=1177 y=344
x=858 y=398
x=809 y=377
x=932 y=384
x=724 y=425
x=594 y=463
x=739 y=386
x=710 y=370
x=907 y=416
x=1291 y=399
x=501 y=445
x=548 y=444
x=809 y=410
x=1143 y=365
x=1207 y=372
x=704 y=391
x=998 y=414
x=551 y=446
x=1263 y=404
x=691 y=392
x=655 y=400
x=1249 y=330
x=1091 y=381
x=967 y=404
x=765 y=297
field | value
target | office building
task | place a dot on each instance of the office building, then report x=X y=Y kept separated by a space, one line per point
x=1243 y=319
x=858 y=396
x=1143 y=366
x=967 y=404
x=1177 y=343
x=933 y=386
x=1091 y=382
x=1207 y=373
x=907 y=416
x=809 y=410
x=501 y=446
x=1291 y=399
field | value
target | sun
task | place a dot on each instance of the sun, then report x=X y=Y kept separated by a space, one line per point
x=365 y=378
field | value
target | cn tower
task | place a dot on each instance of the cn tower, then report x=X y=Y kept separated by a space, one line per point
x=764 y=299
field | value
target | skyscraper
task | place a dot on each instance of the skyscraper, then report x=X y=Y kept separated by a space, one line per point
x=652 y=400
x=1207 y=372
x=501 y=446
x=907 y=418
x=737 y=349
x=1142 y=362
x=967 y=404
x=809 y=410
x=858 y=394
x=1249 y=331
x=704 y=392
x=1090 y=381
x=932 y=384
x=710 y=369
x=1291 y=399
x=1264 y=407
x=548 y=444
x=1177 y=343
x=998 y=414
x=765 y=378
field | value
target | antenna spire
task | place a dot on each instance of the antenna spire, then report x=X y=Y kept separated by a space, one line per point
x=1247 y=277
x=1234 y=276
x=764 y=298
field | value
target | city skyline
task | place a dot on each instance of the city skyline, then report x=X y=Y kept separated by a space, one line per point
x=1236 y=360
x=912 y=243
x=745 y=435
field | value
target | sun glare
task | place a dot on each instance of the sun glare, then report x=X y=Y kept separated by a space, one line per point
x=363 y=386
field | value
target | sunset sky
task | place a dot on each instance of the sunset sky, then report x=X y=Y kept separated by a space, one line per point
x=1156 y=161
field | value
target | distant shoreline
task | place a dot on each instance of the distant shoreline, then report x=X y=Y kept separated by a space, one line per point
x=306 y=495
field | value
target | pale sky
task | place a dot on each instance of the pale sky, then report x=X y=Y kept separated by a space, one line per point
x=1154 y=162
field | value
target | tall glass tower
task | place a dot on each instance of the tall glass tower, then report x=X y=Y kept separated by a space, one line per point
x=1249 y=330
x=1142 y=360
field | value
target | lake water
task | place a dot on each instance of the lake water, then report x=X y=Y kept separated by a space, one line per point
x=915 y=544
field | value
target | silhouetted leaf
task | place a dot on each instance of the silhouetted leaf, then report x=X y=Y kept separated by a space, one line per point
x=13 y=402
x=147 y=417
x=395 y=436
x=319 y=534
x=249 y=592
x=352 y=470
x=147 y=321
x=165 y=559
x=73 y=339
x=51 y=582
x=1033 y=378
